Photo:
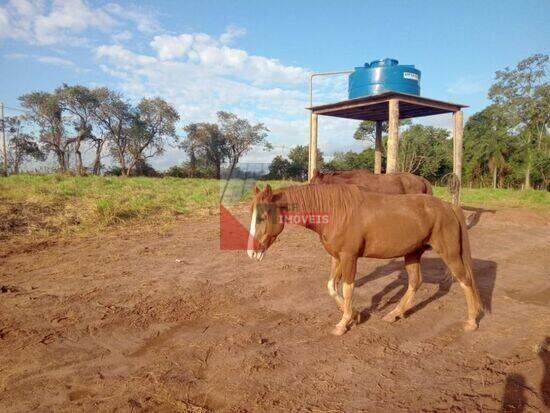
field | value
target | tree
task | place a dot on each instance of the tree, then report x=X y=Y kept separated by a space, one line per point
x=152 y=127
x=366 y=131
x=115 y=117
x=487 y=143
x=280 y=168
x=425 y=151
x=22 y=146
x=46 y=111
x=299 y=161
x=240 y=136
x=342 y=161
x=206 y=140
x=523 y=94
x=81 y=103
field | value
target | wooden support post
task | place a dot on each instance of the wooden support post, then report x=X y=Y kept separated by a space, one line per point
x=4 y=147
x=378 y=148
x=458 y=130
x=309 y=147
x=312 y=145
x=393 y=136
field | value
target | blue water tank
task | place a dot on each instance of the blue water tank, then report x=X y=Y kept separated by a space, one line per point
x=381 y=76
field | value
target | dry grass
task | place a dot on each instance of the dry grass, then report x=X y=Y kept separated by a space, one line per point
x=61 y=205
x=56 y=204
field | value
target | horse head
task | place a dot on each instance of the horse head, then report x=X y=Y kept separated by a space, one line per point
x=266 y=223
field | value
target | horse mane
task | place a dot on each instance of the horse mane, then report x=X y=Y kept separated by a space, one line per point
x=338 y=201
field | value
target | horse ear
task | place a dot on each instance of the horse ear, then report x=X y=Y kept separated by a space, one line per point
x=268 y=191
x=255 y=189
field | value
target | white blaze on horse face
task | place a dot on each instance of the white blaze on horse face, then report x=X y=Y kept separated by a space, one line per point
x=252 y=253
x=252 y=232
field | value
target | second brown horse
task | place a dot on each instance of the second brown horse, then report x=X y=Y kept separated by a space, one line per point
x=396 y=183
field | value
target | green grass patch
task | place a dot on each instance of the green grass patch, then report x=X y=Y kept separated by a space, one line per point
x=500 y=198
x=56 y=204
x=31 y=204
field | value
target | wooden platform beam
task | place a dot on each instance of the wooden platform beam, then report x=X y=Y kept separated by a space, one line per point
x=393 y=136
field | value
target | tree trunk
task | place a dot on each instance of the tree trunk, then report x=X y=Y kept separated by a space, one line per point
x=130 y=168
x=122 y=162
x=528 y=169
x=218 y=170
x=96 y=168
x=16 y=162
x=61 y=161
x=78 y=155
x=495 y=173
x=192 y=162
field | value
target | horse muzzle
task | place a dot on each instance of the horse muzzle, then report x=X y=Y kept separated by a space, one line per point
x=256 y=255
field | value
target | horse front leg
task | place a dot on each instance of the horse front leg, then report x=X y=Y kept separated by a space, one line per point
x=332 y=285
x=348 y=266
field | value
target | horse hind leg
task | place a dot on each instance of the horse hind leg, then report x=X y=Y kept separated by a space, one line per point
x=412 y=265
x=458 y=269
x=332 y=285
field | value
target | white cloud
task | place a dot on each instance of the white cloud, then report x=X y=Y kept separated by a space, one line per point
x=65 y=21
x=203 y=49
x=69 y=16
x=122 y=36
x=51 y=60
x=4 y=23
x=16 y=56
x=467 y=85
x=56 y=61
x=143 y=20
x=124 y=56
x=232 y=33
x=171 y=47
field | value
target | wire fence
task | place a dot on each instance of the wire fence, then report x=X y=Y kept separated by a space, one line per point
x=236 y=183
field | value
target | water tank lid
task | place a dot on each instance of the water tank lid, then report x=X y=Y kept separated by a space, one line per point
x=382 y=62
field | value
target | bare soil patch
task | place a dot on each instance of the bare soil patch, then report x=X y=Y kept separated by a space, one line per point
x=164 y=321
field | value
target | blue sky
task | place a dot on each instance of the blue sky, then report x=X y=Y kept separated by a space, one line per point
x=254 y=57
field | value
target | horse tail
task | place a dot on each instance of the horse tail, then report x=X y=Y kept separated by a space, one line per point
x=467 y=257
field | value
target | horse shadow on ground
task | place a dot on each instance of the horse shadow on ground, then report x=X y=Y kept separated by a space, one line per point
x=434 y=271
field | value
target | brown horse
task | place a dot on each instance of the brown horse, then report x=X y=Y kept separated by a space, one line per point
x=353 y=223
x=397 y=183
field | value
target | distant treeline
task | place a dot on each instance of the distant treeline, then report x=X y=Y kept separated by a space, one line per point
x=73 y=119
x=507 y=144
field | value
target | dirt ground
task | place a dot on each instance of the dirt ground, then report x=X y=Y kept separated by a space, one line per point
x=164 y=321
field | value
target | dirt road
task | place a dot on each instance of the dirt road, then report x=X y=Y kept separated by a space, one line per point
x=166 y=322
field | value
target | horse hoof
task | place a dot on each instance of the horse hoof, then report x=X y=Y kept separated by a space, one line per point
x=391 y=317
x=470 y=326
x=339 y=330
